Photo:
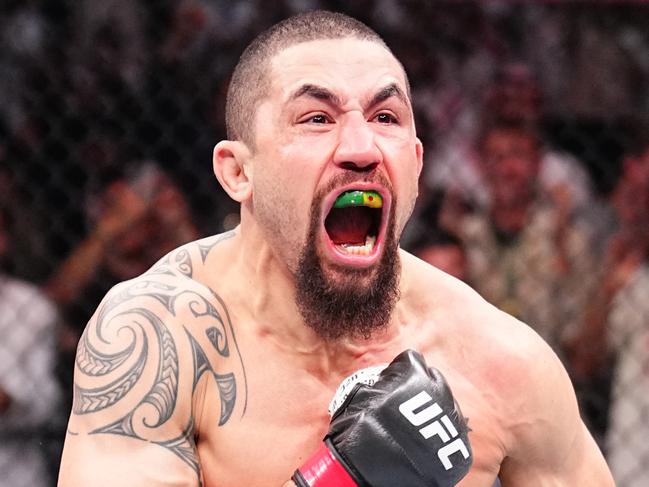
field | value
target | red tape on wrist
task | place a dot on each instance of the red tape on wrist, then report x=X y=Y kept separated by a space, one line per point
x=324 y=470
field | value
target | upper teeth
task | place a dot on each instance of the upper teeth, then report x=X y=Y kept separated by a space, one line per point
x=359 y=249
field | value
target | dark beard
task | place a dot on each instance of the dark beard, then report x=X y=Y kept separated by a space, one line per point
x=359 y=305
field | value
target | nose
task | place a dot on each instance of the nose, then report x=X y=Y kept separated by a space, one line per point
x=357 y=149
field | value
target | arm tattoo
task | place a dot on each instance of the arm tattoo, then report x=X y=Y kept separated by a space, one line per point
x=211 y=332
x=164 y=391
x=225 y=382
x=130 y=335
x=184 y=446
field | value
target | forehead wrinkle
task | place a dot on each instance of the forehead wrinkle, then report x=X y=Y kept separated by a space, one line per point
x=321 y=93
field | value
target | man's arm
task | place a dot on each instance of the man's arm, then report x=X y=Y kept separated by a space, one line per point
x=550 y=444
x=132 y=422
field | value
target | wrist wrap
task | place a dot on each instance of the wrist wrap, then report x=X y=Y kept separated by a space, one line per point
x=323 y=469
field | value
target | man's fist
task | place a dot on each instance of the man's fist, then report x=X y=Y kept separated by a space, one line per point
x=405 y=430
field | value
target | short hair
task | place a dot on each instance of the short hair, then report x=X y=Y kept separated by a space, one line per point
x=250 y=83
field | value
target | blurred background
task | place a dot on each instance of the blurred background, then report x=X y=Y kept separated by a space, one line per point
x=535 y=189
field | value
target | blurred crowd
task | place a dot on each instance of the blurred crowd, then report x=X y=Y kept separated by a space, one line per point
x=535 y=189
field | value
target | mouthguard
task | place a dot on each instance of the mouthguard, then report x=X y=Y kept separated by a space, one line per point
x=371 y=199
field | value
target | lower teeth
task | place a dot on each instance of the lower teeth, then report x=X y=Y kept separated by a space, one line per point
x=355 y=249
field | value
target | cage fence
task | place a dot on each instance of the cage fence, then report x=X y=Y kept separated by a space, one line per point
x=109 y=112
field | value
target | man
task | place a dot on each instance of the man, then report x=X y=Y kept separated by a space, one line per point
x=216 y=366
x=528 y=252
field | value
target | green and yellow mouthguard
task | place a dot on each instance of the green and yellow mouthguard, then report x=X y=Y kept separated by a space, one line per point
x=371 y=199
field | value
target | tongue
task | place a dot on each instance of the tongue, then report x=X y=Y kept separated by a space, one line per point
x=348 y=225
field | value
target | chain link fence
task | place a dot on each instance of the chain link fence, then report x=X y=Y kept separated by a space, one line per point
x=535 y=188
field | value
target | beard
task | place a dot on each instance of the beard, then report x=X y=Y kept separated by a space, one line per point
x=347 y=302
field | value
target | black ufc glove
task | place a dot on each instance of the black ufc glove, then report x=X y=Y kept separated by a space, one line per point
x=404 y=431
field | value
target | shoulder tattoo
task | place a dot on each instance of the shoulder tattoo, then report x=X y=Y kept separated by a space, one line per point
x=128 y=367
x=206 y=245
x=179 y=261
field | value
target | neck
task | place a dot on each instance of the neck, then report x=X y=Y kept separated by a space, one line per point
x=269 y=289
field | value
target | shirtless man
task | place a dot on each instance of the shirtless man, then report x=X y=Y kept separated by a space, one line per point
x=216 y=367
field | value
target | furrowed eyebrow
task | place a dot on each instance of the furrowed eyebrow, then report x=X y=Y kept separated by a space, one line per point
x=317 y=92
x=323 y=94
x=387 y=92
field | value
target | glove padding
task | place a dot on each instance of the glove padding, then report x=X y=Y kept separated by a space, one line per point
x=405 y=430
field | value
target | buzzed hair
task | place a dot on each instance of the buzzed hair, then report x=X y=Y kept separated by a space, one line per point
x=250 y=82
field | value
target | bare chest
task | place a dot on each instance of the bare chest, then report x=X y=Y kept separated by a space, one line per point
x=286 y=418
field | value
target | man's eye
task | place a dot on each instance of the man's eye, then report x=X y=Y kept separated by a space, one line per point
x=386 y=118
x=318 y=118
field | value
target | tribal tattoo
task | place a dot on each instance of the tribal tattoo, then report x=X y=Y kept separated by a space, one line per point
x=180 y=260
x=207 y=244
x=129 y=355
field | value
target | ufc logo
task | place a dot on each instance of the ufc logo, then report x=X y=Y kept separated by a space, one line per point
x=443 y=428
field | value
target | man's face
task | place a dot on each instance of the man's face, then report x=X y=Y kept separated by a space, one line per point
x=510 y=163
x=337 y=119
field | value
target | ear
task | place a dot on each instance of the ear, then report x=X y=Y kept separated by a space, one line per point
x=231 y=168
x=419 y=152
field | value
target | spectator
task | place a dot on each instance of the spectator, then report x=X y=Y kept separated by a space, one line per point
x=136 y=219
x=527 y=253
x=29 y=395
x=514 y=96
x=617 y=324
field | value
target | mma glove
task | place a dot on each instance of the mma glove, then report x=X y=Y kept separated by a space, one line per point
x=405 y=430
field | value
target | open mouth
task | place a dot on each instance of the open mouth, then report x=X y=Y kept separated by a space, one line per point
x=353 y=224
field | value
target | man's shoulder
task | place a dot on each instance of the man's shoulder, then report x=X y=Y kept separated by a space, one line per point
x=509 y=349
x=162 y=331
x=183 y=269
x=169 y=287
x=517 y=372
x=173 y=298
x=432 y=291
x=511 y=355
x=191 y=260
